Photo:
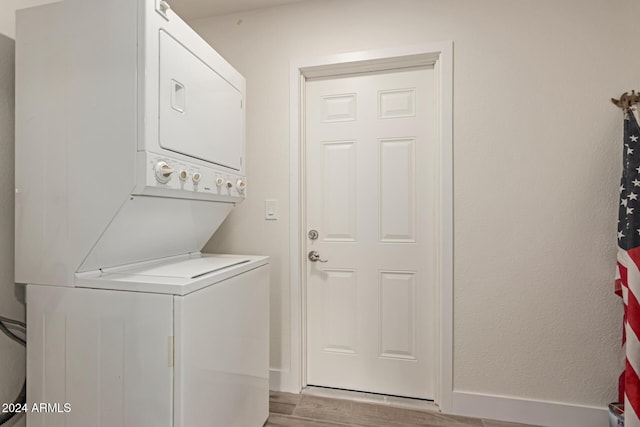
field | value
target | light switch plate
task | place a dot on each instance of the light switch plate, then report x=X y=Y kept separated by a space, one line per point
x=270 y=209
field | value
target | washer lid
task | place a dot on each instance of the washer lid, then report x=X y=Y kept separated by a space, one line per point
x=190 y=268
x=178 y=275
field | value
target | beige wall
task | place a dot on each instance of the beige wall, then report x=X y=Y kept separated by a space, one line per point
x=537 y=148
x=7 y=14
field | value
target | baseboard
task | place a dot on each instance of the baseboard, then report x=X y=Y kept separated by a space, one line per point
x=534 y=412
x=281 y=380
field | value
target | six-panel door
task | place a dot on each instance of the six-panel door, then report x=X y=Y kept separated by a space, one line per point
x=371 y=175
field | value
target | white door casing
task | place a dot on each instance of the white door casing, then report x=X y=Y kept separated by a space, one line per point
x=370 y=186
x=291 y=375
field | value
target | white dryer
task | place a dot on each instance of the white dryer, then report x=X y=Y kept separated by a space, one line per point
x=130 y=152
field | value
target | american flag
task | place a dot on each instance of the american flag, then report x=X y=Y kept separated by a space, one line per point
x=628 y=271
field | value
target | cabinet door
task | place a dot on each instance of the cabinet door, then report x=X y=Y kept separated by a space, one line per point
x=201 y=114
x=105 y=353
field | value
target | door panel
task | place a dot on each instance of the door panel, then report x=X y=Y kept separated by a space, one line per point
x=339 y=309
x=106 y=353
x=397 y=197
x=200 y=112
x=339 y=190
x=222 y=353
x=370 y=188
x=398 y=314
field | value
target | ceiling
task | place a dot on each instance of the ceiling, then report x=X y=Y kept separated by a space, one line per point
x=194 y=9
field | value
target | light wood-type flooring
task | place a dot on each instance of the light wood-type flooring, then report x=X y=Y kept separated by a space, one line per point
x=305 y=410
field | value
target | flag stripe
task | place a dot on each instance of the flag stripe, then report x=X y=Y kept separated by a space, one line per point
x=622 y=278
x=632 y=384
x=630 y=416
x=621 y=289
x=633 y=313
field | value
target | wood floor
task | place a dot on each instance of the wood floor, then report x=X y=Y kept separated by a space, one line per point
x=295 y=410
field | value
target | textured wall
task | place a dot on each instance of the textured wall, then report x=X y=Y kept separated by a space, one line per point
x=12 y=355
x=537 y=148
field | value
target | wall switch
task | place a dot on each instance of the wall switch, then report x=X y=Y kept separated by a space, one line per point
x=270 y=209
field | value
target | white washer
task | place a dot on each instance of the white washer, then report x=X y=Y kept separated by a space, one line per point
x=130 y=153
x=181 y=342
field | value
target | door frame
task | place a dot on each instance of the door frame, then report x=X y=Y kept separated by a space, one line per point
x=440 y=55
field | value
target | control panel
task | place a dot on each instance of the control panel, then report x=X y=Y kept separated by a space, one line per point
x=193 y=180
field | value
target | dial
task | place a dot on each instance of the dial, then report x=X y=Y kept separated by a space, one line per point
x=219 y=182
x=241 y=185
x=163 y=172
x=183 y=175
x=197 y=177
x=229 y=185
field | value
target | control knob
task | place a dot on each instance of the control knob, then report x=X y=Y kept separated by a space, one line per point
x=196 y=177
x=241 y=185
x=219 y=182
x=163 y=172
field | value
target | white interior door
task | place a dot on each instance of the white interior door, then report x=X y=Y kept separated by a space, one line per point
x=371 y=175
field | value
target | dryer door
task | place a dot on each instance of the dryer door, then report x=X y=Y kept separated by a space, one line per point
x=201 y=114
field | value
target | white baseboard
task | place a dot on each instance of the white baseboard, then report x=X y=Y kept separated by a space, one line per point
x=280 y=380
x=502 y=408
x=534 y=412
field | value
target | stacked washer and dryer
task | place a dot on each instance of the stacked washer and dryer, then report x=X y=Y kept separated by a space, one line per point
x=130 y=153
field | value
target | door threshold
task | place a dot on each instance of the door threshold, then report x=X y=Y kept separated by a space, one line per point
x=375 y=398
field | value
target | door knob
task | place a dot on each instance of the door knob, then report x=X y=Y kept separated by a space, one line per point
x=314 y=256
